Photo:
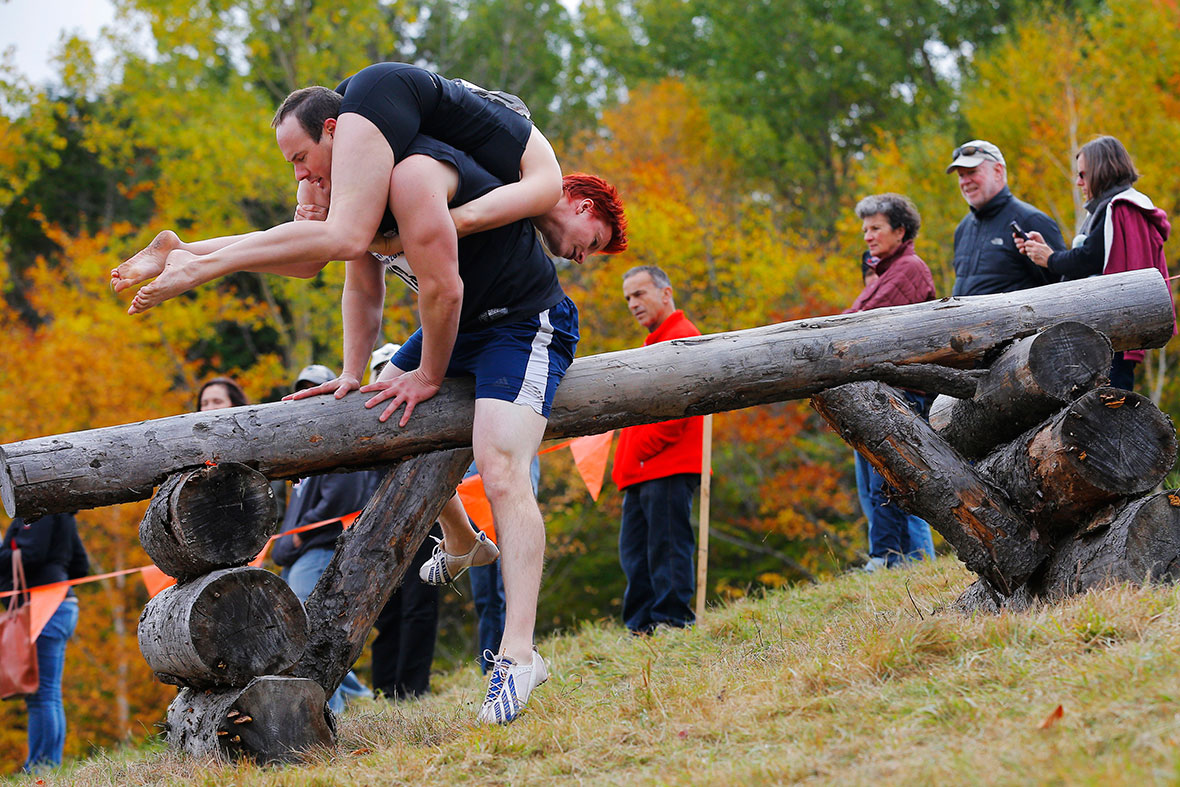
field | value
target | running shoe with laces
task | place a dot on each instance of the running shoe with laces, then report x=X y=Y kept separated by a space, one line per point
x=509 y=687
x=443 y=568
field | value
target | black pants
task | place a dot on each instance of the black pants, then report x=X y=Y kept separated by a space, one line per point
x=406 y=630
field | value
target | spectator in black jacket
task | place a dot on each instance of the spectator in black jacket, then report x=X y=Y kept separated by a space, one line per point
x=319 y=498
x=50 y=552
x=986 y=257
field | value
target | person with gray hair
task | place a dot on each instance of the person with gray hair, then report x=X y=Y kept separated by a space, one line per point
x=891 y=223
x=658 y=467
x=986 y=257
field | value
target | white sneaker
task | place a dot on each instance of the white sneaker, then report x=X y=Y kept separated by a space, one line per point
x=509 y=688
x=443 y=568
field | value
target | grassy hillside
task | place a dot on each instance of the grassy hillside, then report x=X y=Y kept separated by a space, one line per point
x=865 y=679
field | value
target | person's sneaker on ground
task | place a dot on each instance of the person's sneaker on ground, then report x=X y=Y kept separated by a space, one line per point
x=875 y=564
x=509 y=687
x=443 y=568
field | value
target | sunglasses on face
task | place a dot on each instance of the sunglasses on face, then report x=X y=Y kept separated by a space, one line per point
x=972 y=150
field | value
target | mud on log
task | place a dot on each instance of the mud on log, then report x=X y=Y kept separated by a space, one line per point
x=273 y=719
x=1106 y=445
x=935 y=482
x=370 y=560
x=208 y=518
x=1031 y=380
x=700 y=375
x=223 y=629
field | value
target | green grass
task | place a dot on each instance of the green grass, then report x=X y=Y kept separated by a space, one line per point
x=865 y=679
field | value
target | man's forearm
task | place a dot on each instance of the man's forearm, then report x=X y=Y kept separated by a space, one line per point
x=438 y=310
x=361 y=306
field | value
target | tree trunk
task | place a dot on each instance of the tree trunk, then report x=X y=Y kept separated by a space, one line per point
x=223 y=629
x=699 y=375
x=1137 y=542
x=273 y=719
x=208 y=518
x=1031 y=380
x=371 y=559
x=935 y=482
x=1109 y=444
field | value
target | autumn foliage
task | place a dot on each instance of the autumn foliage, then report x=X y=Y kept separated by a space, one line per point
x=94 y=167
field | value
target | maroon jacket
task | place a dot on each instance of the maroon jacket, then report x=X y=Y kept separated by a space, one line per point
x=668 y=448
x=1135 y=235
x=902 y=278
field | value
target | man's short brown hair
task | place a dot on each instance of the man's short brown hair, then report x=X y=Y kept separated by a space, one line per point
x=312 y=106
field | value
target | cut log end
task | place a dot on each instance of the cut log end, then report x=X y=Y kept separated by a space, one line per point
x=7 y=490
x=274 y=719
x=1119 y=441
x=208 y=518
x=223 y=629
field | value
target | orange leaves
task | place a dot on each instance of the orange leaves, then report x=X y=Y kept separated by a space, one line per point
x=1053 y=717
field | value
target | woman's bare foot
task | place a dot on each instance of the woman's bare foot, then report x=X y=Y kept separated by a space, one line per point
x=179 y=275
x=145 y=264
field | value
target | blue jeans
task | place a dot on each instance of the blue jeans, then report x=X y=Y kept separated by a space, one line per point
x=919 y=541
x=894 y=534
x=302 y=576
x=1122 y=373
x=656 y=542
x=47 y=716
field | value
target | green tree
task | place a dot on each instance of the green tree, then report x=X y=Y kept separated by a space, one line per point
x=800 y=87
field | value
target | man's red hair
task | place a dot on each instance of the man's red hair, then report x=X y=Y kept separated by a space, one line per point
x=607 y=206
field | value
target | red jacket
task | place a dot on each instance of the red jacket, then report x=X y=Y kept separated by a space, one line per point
x=669 y=447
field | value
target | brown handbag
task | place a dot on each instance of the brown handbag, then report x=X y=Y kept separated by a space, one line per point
x=18 y=649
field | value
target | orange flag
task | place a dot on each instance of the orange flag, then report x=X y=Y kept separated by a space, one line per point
x=475 y=501
x=590 y=456
x=43 y=602
x=155 y=580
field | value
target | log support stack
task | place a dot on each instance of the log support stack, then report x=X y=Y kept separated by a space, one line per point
x=227 y=633
x=1059 y=500
x=254 y=675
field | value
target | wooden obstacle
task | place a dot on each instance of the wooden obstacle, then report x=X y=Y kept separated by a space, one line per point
x=1059 y=509
x=265 y=704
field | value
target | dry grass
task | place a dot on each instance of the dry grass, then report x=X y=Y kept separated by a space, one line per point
x=862 y=680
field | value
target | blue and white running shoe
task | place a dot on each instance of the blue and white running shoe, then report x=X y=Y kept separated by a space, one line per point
x=509 y=687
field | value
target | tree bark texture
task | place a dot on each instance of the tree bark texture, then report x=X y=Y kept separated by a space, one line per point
x=273 y=719
x=223 y=629
x=1031 y=380
x=933 y=481
x=207 y=518
x=700 y=375
x=1106 y=445
x=371 y=559
x=1136 y=542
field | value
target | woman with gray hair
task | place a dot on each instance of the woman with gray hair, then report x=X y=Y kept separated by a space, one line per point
x=890 y=223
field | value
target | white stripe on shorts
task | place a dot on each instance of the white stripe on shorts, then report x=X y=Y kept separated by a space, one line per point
x=536 y=373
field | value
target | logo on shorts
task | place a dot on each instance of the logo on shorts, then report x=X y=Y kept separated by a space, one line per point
x=491 y=315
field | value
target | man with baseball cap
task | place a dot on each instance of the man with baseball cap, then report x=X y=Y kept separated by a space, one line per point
x=986 y=257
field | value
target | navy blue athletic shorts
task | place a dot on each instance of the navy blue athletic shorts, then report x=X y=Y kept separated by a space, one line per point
x=520 y=362
x=403 y=101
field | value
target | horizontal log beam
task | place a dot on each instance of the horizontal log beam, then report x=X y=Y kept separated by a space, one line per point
x=700 y=375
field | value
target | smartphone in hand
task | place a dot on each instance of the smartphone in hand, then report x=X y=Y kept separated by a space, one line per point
x=1017 y=231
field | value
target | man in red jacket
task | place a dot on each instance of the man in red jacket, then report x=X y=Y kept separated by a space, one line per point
x=659 y=468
